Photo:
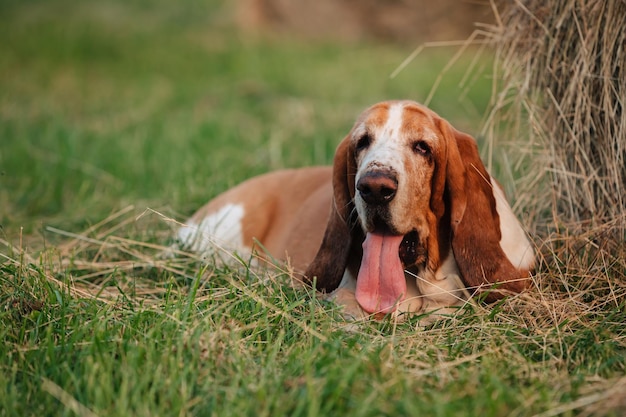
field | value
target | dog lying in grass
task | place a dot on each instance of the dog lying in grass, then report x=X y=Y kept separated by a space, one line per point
x=407 y=220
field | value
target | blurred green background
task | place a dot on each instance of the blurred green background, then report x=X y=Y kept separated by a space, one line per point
x=164 y=104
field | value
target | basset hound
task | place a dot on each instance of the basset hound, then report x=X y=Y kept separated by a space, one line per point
x=407 y=220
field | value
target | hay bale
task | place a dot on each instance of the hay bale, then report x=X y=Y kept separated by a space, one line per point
x=568 y=60
x=563 y=68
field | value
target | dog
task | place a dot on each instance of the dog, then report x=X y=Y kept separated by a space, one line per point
x=407 y=220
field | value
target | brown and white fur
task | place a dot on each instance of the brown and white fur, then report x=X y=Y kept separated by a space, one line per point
x=407 y=220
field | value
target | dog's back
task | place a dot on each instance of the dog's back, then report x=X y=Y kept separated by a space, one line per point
x=282 y=211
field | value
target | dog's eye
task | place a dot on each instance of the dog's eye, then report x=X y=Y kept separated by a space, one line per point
x=363 y=142
x=421 y=148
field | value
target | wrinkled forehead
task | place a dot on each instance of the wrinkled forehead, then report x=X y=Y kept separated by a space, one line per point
x=396 y=119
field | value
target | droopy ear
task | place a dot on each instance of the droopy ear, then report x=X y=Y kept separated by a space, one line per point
x=474 y=221
x=332 y=257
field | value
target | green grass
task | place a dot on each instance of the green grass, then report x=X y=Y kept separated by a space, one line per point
x=109 y=108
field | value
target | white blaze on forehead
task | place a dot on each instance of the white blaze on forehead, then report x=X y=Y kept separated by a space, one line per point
x=514 y=242
x=386 y=149
x=394 y=120
x=219 y=230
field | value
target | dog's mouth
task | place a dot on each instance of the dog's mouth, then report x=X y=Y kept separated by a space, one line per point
x=381 y=284
x=410 y=252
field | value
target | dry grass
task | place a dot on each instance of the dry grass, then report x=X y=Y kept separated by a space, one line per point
x=560 y=83
x=564 y=67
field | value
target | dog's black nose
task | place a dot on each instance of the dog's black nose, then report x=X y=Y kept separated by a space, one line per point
x=377 y=187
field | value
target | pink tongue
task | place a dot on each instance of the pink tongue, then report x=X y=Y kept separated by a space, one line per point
x=380 y=285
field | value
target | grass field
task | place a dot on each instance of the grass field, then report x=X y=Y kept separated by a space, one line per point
x=119 y=118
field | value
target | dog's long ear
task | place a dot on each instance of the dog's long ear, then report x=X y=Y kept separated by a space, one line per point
x=332 y=257
x=474 y=221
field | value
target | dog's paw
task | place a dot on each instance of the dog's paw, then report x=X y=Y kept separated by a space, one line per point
x=350 y=308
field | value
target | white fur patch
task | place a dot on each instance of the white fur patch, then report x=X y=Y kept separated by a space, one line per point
x=219 y=231
x=386 y=152
x=514 y=241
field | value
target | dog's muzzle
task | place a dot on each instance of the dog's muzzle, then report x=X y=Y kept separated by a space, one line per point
x=377 y=187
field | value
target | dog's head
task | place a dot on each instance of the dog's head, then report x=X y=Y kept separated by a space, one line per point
x=408 y=189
